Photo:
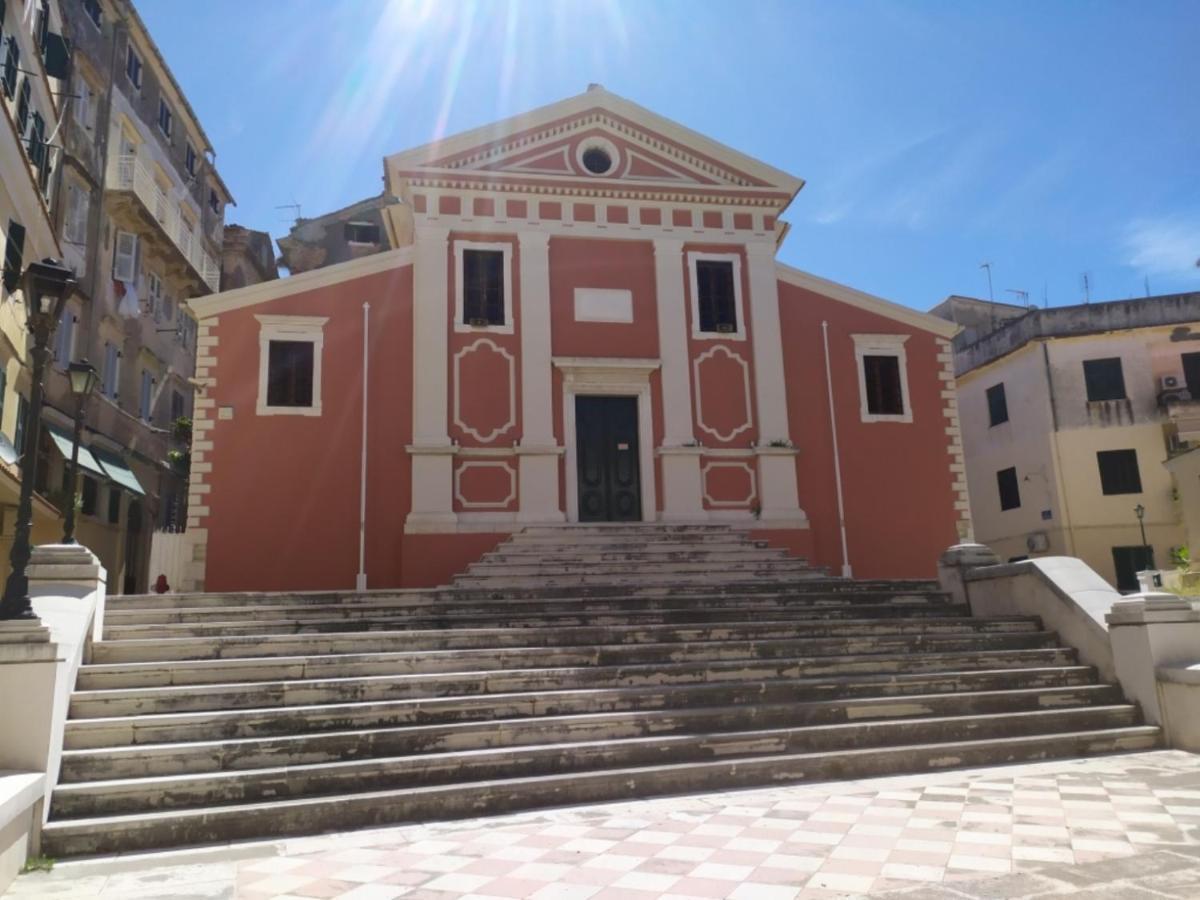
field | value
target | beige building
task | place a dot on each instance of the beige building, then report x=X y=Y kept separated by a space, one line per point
x=1073 y=419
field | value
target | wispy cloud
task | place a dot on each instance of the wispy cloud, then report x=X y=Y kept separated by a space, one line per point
x=1168 y=246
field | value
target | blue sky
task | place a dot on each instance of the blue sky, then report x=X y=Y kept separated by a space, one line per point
x=1050 y=138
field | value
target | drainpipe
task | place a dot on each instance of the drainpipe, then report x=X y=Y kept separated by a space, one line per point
x=360 y=581
x=837 y=462
x=1068 y=531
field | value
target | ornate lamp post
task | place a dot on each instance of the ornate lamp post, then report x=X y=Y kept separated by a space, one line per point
x=47 y=284
x=83 y=377
x=1140 y=512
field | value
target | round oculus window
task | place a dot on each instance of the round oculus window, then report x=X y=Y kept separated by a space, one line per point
x=597 y=160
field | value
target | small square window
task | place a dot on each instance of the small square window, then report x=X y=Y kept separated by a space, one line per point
x=1104 y=378
x=997 y=403
x=483 y=287
x=362 y=233
x=290 y=373
x=715 y=296
x=1119 y=472
x=1010 y=489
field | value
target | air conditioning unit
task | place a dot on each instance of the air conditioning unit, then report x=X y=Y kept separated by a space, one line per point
x=1037 y=542
x=1170 y=382
x=1178 y=395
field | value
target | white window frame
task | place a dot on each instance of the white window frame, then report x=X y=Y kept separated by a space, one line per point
x=460 y=288
x=289 y=328
x=118 y=256
x=79 y=202
x=882 y=345
x=65 y=337
x=364 y=243
x=739 y=306
x=146 y=396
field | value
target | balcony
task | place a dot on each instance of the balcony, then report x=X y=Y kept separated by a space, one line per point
x=133 y=176
x=1185 y=416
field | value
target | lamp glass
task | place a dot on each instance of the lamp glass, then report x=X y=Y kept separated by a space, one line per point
x=83 y=377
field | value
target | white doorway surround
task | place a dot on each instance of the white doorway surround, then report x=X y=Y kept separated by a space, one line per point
x=609 y=377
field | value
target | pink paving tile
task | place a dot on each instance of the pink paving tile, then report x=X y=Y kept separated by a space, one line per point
x=727 y=857
x=325 y=888
x=861 y=867
x=773 y=875
x=918 y=858
x=598 y=877
x=872 y=841
x=497 y=868
x=702 y=887
x=512 y=887
x=637 y=848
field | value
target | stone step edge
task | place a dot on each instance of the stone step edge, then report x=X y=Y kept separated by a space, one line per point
x=749 y=710
x=216 y=718
x=549 y=790
x=231 y=662
x=895 y=627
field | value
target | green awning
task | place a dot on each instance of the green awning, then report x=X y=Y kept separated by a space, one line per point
x=120 y=473
x=86 y=460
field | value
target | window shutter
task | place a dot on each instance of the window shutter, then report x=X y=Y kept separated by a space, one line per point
x=125 y=257
x=23 y=107
x=56 y=55
x=12 y=60
x=14 y=252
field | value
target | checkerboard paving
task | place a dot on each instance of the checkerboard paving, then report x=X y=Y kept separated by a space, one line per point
x=826 y=840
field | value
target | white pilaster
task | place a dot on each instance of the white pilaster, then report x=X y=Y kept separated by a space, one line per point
x=538 y=453
x=776 y=466
x=431 y=451
x=682 y=484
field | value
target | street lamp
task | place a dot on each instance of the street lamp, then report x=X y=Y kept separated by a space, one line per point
x=47 y=284
x=83 y=377
x=1140 y=512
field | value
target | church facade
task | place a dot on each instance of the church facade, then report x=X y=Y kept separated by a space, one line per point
x=583 y=320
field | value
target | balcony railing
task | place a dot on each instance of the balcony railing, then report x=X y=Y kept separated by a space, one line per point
x=133 y=176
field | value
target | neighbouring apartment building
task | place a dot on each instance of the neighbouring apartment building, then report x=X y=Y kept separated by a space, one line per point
x=358 y=230
x=137 y=211
x=34 y=70
x=1073 y=418
x=247 y=257
x=582 y=319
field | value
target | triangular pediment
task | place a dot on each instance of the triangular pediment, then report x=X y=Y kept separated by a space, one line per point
x=597 y=139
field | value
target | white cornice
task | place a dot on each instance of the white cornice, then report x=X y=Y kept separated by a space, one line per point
x=864 y=301
x=214 y=304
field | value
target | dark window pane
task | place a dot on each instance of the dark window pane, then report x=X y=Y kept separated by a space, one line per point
x=1105 y=380
x=1010 y=490
x=715 y=296
x=1119 y=472
x=14 y=253
x=290 y=373
x=997 y=404
x=363 y=233
x=483 y=287
x=114 y=505
x=89 y=490
x=885 y=397
x=1191 y=373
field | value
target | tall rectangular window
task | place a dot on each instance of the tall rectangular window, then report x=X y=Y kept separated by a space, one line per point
x=881 y=374
x=125 y=249
x=64 y=338
x=14 y=254
x=114 y=505
x=1009 y=487
x=112 y=371
x=133 y=67
x=483 y=287
x=79 y=203
x=1104 y=378
x=1128 y=561
x=715 y=297
x=147 y=396
x=166 y=118
x=89 y=494
x=19 y=429
x=23 y=101
x=12 y=62
x=92 y=8
x=1119 y=472
x=177 y=408
x=290 y=373
x=997 y=403
x=189 y=159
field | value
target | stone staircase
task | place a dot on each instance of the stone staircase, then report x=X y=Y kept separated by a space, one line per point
x=571 y=665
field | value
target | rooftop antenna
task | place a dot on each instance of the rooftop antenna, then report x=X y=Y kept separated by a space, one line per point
x=1087 y=288
x=1046 y=294
x=295 y=206
x=988 y=266
x=1022 y=296
x=1147 y=278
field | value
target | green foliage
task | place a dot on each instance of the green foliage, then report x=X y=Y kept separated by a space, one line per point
x=38 y=864
x=1182 y=558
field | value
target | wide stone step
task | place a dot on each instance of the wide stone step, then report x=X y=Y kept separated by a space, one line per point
x=602 y=553
x=860 y=698
x=708 y=578
x=373 y=808
x=385 y=662
x=299 y=691
x=163 y=648
x=312 y=748
x=218 y=622
x=752 y=567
